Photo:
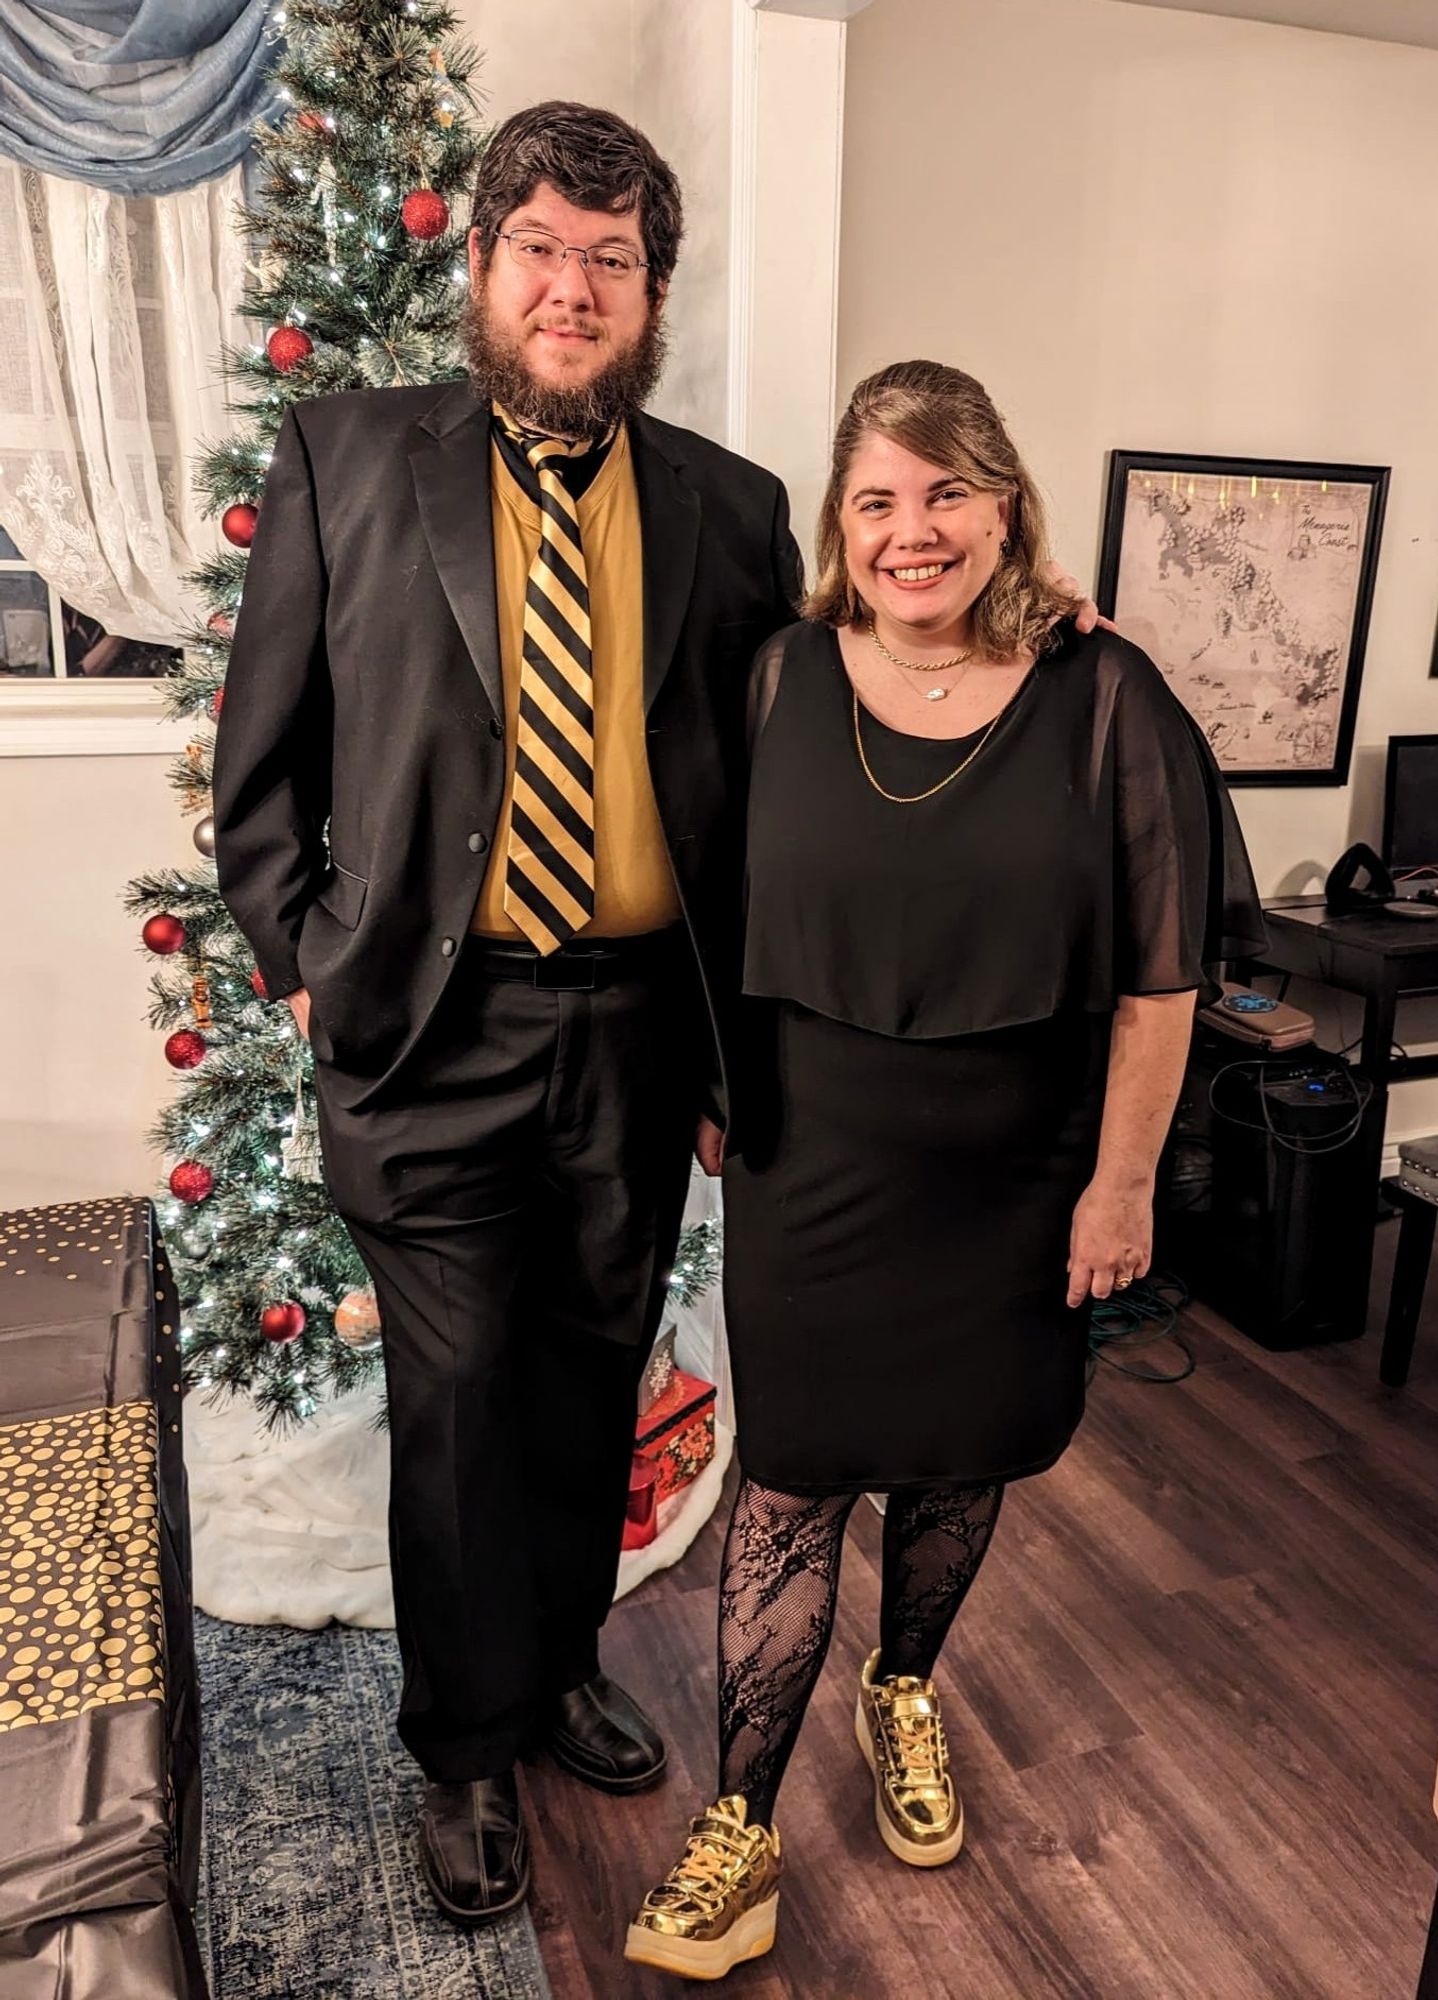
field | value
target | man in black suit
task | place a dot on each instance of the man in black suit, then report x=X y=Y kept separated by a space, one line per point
x=478 y=796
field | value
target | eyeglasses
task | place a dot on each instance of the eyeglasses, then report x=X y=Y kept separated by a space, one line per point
x=537 y=250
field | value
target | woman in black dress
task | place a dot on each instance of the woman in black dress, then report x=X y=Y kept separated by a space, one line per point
x=991 y=863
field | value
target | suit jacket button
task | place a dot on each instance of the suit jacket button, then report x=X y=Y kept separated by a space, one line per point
x=477 y=843
x=447 y=946
x=496 y=729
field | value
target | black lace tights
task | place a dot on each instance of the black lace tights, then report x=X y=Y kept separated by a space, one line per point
x=777 y=1593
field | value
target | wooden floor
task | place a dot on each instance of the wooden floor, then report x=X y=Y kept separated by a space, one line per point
x=1192 y=1704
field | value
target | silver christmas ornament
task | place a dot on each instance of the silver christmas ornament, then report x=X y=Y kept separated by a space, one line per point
x=300 y=1152
x=204 y=835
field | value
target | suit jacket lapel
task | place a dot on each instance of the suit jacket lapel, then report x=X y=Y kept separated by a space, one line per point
x=669 y=519
x=450 y=462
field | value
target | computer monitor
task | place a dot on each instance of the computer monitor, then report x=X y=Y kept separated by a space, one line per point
x=1410 y=804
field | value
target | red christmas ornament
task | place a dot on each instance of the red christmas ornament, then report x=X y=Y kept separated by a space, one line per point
x=217 y=702
x=221 y=622
x=286 y=346
x=190 y=1182
x=425 y=214
x=257 y=981
x=313 y=121
x=185 y=1049
x=164 y=934
x=237 y=524
x=283 y=1322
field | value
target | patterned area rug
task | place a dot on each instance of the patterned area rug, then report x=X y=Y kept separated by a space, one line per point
x=311 y=1887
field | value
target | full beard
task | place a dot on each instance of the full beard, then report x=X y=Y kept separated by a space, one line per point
x=499 y=373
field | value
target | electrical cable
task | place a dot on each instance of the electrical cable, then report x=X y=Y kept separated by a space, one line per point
x=1359 y=1089
x=1146 y=1312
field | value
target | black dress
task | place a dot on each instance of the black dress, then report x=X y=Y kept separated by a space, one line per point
x=930 y=989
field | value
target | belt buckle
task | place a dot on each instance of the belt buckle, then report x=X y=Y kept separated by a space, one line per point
x=557 y=974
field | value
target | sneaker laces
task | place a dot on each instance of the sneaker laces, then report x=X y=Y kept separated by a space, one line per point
x=915 y=1740
x=708 y=1868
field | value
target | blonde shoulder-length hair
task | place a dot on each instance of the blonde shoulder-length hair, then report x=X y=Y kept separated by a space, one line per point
x=946 y=418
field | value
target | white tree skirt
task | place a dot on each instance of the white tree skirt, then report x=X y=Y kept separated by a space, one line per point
x=290 y=1530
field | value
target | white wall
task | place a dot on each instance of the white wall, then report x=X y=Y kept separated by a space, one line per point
x=1168 y=231
x=536 y=49
x=681 y=100
x=81 y=1073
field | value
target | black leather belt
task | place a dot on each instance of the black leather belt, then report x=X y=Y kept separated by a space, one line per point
x=580 y=967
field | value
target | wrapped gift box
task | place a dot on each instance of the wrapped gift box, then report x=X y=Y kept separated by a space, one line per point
x=99 y=1724
x=676 y=1433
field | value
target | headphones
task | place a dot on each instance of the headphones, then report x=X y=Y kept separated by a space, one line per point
x=1344 y=893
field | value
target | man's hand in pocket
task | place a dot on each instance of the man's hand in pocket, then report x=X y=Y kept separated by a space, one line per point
x=709 y=1146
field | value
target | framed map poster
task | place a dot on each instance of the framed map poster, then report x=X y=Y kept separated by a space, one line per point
x=1249 y=582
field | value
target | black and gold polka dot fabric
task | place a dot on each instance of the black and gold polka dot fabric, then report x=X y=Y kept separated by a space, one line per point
x=79 y=1565
x=100 y=1808
x=60 y=1243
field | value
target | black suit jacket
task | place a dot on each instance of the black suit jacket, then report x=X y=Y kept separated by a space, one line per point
x=359 y=763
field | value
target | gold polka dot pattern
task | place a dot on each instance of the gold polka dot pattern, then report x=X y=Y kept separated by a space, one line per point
x=79 y=1565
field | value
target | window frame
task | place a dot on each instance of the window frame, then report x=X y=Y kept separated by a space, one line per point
x=71 y=715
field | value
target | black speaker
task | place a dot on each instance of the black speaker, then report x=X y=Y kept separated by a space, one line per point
x=1261 y=1195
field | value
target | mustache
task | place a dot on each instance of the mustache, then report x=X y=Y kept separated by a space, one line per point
x=589 y=332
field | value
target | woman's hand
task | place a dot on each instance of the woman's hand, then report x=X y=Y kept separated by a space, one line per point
x=1111 y=1241
x=709 y=1146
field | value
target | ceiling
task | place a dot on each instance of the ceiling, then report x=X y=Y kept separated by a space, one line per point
x=1414 y=21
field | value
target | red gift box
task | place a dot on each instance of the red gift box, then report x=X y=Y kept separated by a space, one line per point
x=676 y=1434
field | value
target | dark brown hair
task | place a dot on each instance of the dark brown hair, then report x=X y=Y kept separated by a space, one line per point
x=595 y=160
x=945 y=417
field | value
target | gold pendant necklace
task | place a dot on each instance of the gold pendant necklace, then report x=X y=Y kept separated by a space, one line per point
x=965 y=659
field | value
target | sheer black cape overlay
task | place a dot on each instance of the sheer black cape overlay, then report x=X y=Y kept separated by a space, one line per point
x=1089 y=851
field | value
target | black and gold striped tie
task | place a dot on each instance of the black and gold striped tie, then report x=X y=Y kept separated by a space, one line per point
x=549 y=867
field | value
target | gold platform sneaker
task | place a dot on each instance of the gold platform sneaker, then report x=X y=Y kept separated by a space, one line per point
x=901 y=1732
x=718 y=1904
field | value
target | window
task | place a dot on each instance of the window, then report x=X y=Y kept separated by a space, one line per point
x=44 y=639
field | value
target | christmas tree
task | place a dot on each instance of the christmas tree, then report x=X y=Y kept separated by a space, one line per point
x=359 y=278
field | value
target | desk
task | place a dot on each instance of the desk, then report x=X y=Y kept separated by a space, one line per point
x=1382 y=959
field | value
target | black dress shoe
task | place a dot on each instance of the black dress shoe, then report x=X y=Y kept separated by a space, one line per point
x=602 y=1735
x=473 y=1848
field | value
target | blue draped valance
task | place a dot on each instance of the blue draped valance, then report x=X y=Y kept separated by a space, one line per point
x=142 y=97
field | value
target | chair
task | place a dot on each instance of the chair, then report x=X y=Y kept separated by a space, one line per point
x=1414 y=1193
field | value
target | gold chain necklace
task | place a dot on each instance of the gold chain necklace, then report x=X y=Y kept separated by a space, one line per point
x=965 y=659
x=898 y=798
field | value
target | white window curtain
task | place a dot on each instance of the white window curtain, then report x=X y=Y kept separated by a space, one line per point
x=113 y=311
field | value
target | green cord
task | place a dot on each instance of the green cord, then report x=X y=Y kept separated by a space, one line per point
x=1146 y=1312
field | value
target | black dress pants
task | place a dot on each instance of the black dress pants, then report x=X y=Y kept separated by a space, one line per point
x=516 y=1194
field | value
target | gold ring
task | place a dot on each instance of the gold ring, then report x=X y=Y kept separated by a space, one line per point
x=1122 y=1284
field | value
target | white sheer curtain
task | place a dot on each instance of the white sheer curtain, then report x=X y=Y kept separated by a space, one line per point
x=112 y=315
